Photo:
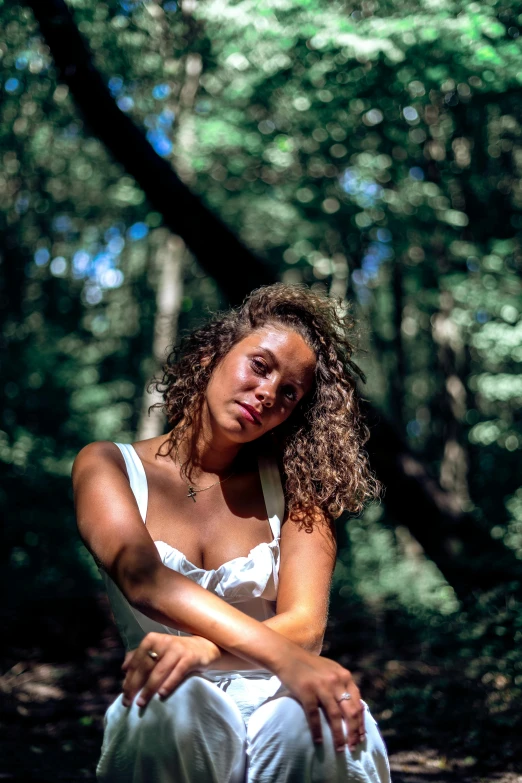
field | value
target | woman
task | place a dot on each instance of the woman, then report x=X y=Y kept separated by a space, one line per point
x=221 y=597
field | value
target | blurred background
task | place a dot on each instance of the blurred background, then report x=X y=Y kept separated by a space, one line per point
x=161 y=159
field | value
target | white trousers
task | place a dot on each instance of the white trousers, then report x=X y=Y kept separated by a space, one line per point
x=207 y=732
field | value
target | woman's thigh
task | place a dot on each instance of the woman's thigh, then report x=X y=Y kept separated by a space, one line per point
x=280 y=747
x=196 y=734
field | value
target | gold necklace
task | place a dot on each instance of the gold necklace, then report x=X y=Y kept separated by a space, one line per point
x=193 y=490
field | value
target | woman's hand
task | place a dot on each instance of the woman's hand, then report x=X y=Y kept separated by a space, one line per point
x=177 y=657
x=319 y=682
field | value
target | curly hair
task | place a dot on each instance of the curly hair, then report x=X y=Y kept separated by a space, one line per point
x=320 y=446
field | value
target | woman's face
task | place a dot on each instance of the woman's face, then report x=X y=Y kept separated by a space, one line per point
x=259 y=383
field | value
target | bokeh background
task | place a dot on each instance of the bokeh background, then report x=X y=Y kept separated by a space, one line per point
x=161 y=159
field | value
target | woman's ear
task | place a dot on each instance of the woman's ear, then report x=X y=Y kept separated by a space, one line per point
x=205 y=361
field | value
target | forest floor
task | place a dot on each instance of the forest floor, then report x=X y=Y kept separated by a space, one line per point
x=51 y=722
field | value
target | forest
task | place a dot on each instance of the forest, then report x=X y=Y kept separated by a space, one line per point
x=161 y=159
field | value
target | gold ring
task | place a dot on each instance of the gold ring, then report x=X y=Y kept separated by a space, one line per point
x=153 y=655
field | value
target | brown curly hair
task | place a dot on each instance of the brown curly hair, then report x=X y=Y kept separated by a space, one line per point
x=320 y=445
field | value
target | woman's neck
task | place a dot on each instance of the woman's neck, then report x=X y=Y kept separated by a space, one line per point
x=209 y=456
x=207 y=450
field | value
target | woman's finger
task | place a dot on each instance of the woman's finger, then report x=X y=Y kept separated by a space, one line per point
x=126 y=661
x=313 y=716
x=162 y=670
x=353 y=711
x=362 y=723
x=174 y=679
x=137 y=675
x=335 y=717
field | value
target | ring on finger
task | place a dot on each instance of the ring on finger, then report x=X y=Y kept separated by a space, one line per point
x=344 y=697
x=153 y=655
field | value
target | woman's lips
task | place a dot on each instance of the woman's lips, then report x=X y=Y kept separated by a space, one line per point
x=250 y=413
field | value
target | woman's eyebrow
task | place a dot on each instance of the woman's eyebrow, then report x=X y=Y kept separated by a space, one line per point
x=269 y=352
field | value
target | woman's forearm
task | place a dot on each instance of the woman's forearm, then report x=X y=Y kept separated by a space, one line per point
x=227 y=662
x=292 y=626
x=172 y=599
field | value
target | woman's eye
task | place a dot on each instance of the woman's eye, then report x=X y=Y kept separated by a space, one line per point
x=290 y=393
x=259 y=367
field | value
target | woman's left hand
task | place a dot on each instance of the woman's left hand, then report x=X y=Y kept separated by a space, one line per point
x=177 y=657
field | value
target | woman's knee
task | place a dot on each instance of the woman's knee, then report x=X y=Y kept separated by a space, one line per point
x=282 y=722
x=197 y=718
x=197 y=706
x=280 y=743
x=191 y=709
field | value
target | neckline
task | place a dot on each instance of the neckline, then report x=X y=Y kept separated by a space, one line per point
x=195 y=567
x=275 y=539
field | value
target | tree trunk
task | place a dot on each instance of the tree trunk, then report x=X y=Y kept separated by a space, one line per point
x=397 y=377
x=168 y=260
x=454 y=466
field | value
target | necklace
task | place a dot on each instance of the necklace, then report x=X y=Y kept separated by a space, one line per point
x=193 y=490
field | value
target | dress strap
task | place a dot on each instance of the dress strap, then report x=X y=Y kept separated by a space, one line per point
x=272 y=492
x=137 y=476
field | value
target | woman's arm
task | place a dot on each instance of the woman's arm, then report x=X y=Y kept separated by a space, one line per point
x=305 y=575
x=111 y=527
x=110 y=524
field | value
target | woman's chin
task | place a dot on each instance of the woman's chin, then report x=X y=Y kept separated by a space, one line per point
x=243 y=433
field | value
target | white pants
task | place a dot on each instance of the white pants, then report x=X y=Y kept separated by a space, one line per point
x=234 y=731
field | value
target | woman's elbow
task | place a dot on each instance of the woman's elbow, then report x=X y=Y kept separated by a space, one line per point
x=139 y=581
x=311 y=639
x=301 y=629
x=315 y=644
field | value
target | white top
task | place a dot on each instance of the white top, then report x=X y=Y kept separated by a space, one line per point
x=249 y=583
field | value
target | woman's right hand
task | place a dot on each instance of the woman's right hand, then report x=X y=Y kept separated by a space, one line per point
x=319 y=683
x=175 y=658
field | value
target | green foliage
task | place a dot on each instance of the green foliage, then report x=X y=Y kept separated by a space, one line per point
x=388 y=567
x=433 y=668
x=476 y=669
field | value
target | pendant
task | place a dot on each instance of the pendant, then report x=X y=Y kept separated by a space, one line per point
x=191 y=494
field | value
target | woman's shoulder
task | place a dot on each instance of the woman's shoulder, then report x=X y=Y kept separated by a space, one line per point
x=98 y=453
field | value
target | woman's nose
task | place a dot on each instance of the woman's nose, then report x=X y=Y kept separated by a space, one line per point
x=265 y=396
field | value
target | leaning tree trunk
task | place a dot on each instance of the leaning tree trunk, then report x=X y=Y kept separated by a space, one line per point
x=460 y=546
x=463 y=550
x=182 y=211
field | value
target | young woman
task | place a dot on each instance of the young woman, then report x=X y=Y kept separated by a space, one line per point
x=221 y=597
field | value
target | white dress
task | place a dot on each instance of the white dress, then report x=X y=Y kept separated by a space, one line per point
x=224 y=726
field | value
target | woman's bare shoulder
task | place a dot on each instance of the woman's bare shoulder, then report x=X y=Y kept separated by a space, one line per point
x=104 y=449
x=107 y=515
x=97 y=456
